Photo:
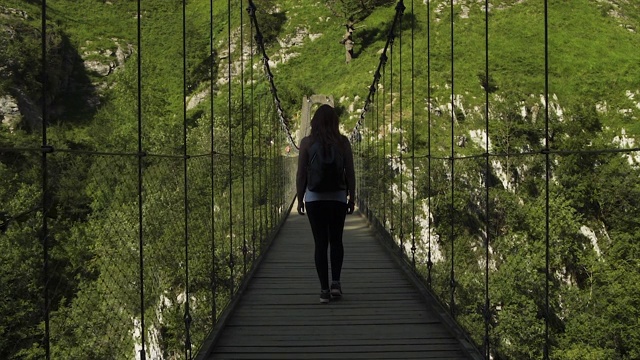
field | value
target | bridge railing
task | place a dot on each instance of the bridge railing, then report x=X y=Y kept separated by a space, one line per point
x=515 y=211
x=100 y=256
x=131 y=241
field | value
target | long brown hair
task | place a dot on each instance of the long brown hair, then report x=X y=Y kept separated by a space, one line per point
x=324 y=126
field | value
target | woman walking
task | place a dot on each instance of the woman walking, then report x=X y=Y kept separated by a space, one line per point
x=325 y=184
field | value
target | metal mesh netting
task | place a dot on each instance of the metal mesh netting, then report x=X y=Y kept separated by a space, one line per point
x=94 y=260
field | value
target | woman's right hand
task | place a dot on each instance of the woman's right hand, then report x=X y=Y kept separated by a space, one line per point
x=350 y=207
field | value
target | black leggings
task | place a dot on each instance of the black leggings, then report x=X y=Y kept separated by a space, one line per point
x=327 y=224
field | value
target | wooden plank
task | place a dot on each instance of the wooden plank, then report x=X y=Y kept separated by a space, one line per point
x=304 y=342
x=381 y=314
x=351 y=320
x=377 y=332
x=290 y=312
x=341 y=349
x=332 y=355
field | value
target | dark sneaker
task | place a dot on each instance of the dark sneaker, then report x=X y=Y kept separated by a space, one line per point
x=325 y=296
x=336 y=289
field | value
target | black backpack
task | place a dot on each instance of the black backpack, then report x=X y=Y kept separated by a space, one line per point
x=325 y=171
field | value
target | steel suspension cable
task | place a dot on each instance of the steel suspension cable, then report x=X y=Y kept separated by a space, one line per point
x=376 y=155
x=241 y=115
x=377 y=131
x=547 y=177
x=284 y=123
x=212 y=164
x=381 y=65
x=269 y=169
x=45 y=185
x=365 y=161
x=487 y=311
x=141 y=155
x=358 y=161
x=261 y=174
x=253 y=144
x=452 y=282
x=261 y=162
x=383 y=162
x=401 y=149
x=187 y=314
x=272 y=154
x=230 y=174
x=280 y=177
x=413 y=143
x=390 y=161
x=275 y=175
x=429 y=261
x=242 y=130
x=380 y=73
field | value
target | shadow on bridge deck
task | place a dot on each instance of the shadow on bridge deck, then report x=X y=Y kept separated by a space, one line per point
x=381 y=315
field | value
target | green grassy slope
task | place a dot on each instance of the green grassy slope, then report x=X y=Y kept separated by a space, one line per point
x=592 y=57
x=592 y=54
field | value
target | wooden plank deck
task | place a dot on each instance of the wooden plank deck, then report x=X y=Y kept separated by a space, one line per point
x=381 y=315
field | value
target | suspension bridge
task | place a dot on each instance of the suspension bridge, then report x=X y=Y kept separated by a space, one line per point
x=195 y=254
